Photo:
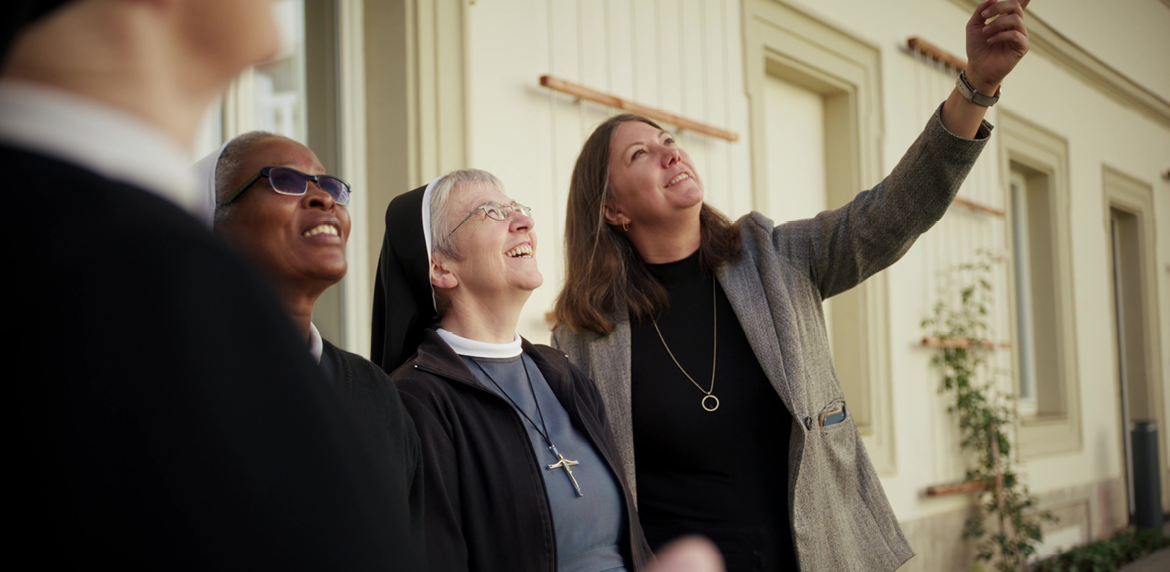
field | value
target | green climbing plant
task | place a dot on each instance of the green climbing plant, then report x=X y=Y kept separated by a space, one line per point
x=960 y=326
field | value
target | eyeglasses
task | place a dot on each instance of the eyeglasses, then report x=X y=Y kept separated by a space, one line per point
x=294 y=183
x=494 y=211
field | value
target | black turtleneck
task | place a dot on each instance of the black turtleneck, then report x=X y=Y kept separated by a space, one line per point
x=722 y=474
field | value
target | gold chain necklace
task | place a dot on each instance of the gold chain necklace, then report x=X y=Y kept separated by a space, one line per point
x=714 y=347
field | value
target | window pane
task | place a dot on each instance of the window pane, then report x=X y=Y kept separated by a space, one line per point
x=280 y=83
x=1025 y=332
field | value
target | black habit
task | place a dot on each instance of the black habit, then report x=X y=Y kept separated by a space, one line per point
x=375 y=404
x=486 y=504
x=174 y=420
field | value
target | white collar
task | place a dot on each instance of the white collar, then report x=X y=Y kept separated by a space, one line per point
x=316 y=347
x=102 y=139
x=475 y=348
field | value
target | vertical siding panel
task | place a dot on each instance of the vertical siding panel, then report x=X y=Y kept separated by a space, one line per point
x=562 y=24
x=621 y=49
x=716 y=180
x=694 y=101
x=593 y=45
x=740 y=168
x=644 y=38
x=670 y=56
x=561 y=145
x=692 y=80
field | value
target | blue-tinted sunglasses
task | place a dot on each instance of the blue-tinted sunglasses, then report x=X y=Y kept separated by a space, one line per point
x=287 y=181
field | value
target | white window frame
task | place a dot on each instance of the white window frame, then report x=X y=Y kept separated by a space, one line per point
x=784 y=41
x=1025 y=329
x=1028 y=148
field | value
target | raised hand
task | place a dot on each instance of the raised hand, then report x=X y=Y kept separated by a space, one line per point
x=994 y=48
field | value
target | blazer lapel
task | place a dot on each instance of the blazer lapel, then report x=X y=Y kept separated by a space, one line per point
x=609 y=366
x=741 y=283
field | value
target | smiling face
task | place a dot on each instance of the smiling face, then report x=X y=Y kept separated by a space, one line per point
x=299 y=241
x=652 y=180
x=497 y=258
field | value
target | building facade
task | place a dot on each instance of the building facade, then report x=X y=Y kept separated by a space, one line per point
x=1072 y=195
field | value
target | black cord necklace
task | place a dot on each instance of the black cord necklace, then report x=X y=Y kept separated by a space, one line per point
x=562 y=462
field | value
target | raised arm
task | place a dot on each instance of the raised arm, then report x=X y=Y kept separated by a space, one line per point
x=842 y=247
x=993 y=50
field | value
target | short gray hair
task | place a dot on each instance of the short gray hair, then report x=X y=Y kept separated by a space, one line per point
x=227 y=169
x=441 y=241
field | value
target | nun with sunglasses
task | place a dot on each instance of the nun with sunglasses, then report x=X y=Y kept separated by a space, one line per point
x=276 y=206
x=521 y=467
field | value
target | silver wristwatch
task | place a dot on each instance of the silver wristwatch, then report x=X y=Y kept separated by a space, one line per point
x=969 y=93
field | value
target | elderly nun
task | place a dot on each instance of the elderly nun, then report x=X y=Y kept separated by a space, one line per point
x=521 y=468
x=275 y=203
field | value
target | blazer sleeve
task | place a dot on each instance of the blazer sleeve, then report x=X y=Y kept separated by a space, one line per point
x=442 y=523
x=843 y=247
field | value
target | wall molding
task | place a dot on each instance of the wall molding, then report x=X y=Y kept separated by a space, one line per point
x=351 y=146
x=1031 y=146
x=1088 y=68
x=414 y=93
x=1134 y=196
x=787 y=43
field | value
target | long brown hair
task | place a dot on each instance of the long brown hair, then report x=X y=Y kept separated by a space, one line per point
x=602 y=263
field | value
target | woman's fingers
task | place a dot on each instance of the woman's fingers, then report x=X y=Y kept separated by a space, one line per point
x=1014 y=38
x=1000 y=8
x=976 y=18
x=1003 y=23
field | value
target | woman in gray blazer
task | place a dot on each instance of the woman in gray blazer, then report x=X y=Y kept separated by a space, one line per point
x=762 y=454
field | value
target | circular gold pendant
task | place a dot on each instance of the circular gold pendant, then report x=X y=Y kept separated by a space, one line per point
x=713 y=407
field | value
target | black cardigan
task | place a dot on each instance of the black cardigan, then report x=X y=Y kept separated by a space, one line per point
x=486 y=507
x=377 y=408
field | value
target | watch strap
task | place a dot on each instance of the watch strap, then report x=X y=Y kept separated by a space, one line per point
x=968 y=92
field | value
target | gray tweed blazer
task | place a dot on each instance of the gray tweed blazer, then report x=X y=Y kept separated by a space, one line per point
x=841 y=519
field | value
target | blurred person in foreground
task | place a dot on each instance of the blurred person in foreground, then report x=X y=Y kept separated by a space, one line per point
x=276 y=204
x=521 y=467
x=173 y=419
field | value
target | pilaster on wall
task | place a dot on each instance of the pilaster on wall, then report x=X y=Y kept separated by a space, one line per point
x=351 y=149
x=782 y=41
x=415 y=101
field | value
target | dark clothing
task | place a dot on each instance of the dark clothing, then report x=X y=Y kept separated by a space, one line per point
x=404 y=304
x=841 y=519
x=722 y=473
x=173 y=419
x=375 y=404
x=593 y=548
x=486 y=504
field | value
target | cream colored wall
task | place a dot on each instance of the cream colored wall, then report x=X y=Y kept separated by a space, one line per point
x=683 y=56
x=1132 y=36
x=686 y=56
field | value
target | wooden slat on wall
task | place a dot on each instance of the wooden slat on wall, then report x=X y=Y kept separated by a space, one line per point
x=616 y=102
x=937 y=53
